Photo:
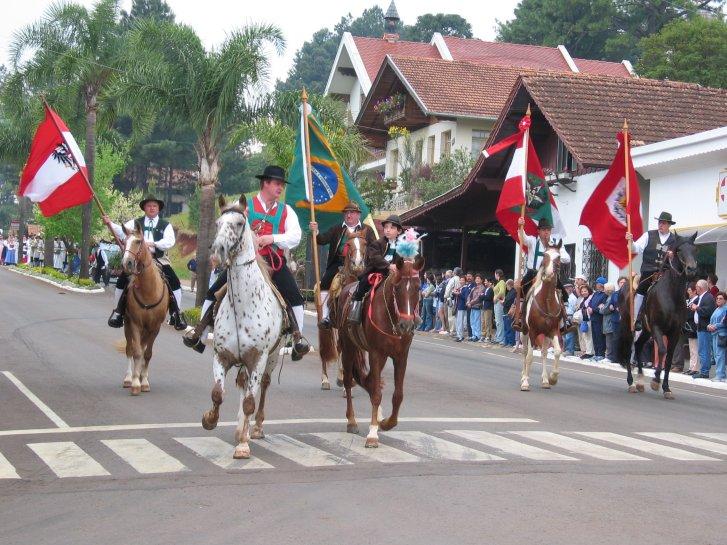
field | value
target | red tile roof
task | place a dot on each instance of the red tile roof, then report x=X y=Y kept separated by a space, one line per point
x=603 y=68
x=374 y=50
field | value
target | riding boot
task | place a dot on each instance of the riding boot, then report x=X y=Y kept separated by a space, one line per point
x=300 y=345
x=117 y=315
x=193 y=339
x=175 y=317
x=354 y=312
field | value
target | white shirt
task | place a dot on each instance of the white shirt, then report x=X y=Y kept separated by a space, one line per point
x=643 y=241
x=451 y=284
x=166 y=242
x=531 y=262
x=352 y=229
x=291 y=238
x=696 y=314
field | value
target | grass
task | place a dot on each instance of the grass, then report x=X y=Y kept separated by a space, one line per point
x=63 y=278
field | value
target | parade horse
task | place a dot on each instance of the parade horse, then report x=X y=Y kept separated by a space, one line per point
x=542 y=319
x=353 y=265
x=390 y=315
x=664 y=315
x=146 y=308
x=249 y=325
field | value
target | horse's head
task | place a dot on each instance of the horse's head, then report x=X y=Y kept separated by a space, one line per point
x=233 y=236
x=406 y=292
x=356 y=251
x=685 y=252
x=550 y=266
x=136 y=254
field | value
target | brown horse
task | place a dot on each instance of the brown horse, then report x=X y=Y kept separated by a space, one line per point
x=353 y=266
x=387 y=330
x=146 y=309
x=542 y=317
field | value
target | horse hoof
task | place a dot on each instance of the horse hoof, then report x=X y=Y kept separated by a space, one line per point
x=241 y=452
x=545 y=385
x=668 y=395
x=257 y=434
x=209 y=420
x=325 y=385
x=632 y=389
x=145 y=388
x=127 y=384
x=655 y=385
x=525 y=387
x=640 y=388
x=352 y=428
x=372 y=442
x=553 y=378
x=135 y=390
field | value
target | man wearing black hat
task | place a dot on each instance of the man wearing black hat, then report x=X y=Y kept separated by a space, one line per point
x=159 y=237
x=336 y=237
x=380 y=257
x=536 y=247
x=277 y=229
x=654 y=246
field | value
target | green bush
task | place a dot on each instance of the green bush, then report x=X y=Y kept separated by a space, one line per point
x=84 y=282
x=192 y=315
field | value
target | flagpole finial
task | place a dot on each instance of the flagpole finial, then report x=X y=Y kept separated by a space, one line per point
x=304 y=95
x=528 y=111
x=626 y=125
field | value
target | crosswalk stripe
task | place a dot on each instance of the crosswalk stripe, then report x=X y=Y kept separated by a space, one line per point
x=7 y=471
x=577 y=446
x=703 y=444
x=299 y=452
x=509 y=446
x=437 y=448
x=219 y=452
x=646 y=446
x=143 y=456
x=67 y=459
x=718 y=436
x=355 y=444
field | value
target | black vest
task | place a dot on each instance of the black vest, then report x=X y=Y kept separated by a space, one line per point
x=157 y=233
x=655 y=252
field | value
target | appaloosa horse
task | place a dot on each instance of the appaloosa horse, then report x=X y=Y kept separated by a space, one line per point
x=390 y=316
x=249 y=325
x=146 y=309
x=542 y=318
x=353 y=266
x=664 y=316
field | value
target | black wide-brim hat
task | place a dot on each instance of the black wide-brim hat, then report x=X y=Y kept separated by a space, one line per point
x=544 y=224
x=393 y=219
x=150 y=198
x=272 y=172
x=665 y=216
x=351 y=206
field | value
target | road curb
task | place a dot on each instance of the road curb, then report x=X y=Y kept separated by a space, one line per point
x=54 y=283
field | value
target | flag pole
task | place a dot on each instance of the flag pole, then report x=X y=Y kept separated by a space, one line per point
x=83 y=173
x=526 y=145
x=309 y=180
x=627 y=152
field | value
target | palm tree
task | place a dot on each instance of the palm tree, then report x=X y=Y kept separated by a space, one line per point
x=76 y=49
x=169 y=70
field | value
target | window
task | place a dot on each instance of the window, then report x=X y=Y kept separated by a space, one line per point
x=446 y=145
x=418 y=151
x=568 y=271
x=564 y=161
x=478 y=140
x=394 y=164
x=430 y=150
x=594 y=262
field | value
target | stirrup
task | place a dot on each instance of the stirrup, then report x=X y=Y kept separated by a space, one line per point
x=116 y=319
x=300 y=349
x=325 y=323
x=179 y=323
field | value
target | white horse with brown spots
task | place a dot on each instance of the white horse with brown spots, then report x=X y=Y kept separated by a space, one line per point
x=248 y=325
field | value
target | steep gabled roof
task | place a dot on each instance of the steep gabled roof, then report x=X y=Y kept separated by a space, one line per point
x=374 y=50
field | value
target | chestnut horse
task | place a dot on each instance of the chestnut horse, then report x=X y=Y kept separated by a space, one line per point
x=146 y=308
x=353 y=266
x=542 y=318
x=390 y=316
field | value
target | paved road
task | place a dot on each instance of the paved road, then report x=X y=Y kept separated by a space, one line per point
x=473 y=460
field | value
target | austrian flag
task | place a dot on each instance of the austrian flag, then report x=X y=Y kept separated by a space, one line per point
x=51 y=176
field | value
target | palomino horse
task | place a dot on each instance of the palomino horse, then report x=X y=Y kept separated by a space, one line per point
x=542 y=317
x=353 y=266
x=386 y=332
x=146 y=309
x=664 y=315
x=248 y=326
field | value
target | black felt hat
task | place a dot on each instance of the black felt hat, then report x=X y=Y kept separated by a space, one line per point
x=393 y=219
x=665 y=216
x=150 y=198
x=272 y=172
x=544 y=223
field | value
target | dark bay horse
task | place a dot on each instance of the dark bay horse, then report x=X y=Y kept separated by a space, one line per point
x=664 y=315
x=353 y=266
x=390 y=317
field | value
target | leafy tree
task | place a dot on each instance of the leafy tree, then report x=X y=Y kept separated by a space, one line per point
x=168 y=69
x=692 y=50
x=75 y=49
x=376 y=192
x=448 y=24
x=449 y=172
x=158 y=10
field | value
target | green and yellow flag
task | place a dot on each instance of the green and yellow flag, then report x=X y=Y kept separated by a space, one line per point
x=332 y=186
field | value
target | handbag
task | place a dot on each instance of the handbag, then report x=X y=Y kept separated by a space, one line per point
x=583 y=327
x=722 y=341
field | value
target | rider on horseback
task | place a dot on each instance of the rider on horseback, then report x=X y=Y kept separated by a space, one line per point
x=536 y=247
x=380 y=257
x=337 y=254
x=655 y=247
x=159 y=238
x=277 y=228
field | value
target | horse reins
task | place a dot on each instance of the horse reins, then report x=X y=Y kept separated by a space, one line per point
x=377 y=280
x=139 y=270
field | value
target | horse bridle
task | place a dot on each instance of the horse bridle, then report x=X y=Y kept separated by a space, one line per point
x=137 y=271
x=235 y=248
x=137 y=258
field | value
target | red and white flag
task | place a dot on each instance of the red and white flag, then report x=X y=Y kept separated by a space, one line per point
x=51 y=176
x=605 y=212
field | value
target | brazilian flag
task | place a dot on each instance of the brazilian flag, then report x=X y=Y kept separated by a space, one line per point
x=332 y=187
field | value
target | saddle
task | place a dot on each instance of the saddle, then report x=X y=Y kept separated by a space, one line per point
x=220 y=295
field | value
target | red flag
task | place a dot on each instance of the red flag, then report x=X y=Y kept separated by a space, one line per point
x=605 y=212
x=51 y=176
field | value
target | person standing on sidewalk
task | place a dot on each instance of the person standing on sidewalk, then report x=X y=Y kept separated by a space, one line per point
x=718 y=329
x=499 y=290
x=451 y=302
x=488 y=299
x=702 y=311
x=192 y=268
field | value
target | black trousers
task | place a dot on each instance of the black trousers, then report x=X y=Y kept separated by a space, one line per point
x=331 y=271
x=647 y=279
x=529 y=278
x=167 y=272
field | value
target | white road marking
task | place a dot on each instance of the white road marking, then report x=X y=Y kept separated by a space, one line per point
x=299 y=452
x=509 y=446
x=577 y=446
x=67 y=459
x=143 y=456
x=219 y=452
x=355 y=444
x=647 y=446
x=439 y=449
x=687 y=441
x=718 y=436
x=7 y=471
x=45 y=409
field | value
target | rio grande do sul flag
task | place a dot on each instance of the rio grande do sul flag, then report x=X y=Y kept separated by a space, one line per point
x=605 y=212
x=533 y=192
x=51 y=176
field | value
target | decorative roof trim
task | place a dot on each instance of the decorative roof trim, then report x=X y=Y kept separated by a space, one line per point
x=348 y=42
x=568 y=59
x=629 y=67
x=438 y=42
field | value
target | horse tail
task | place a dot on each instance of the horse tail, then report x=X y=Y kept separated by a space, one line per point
x=327 y=345
x=120 y=346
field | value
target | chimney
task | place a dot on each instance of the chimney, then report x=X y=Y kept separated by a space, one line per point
x=391 y=22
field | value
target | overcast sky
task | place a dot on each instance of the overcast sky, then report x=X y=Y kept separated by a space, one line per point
x=213 y=18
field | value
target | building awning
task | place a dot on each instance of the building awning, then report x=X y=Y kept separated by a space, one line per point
x=708 y=234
